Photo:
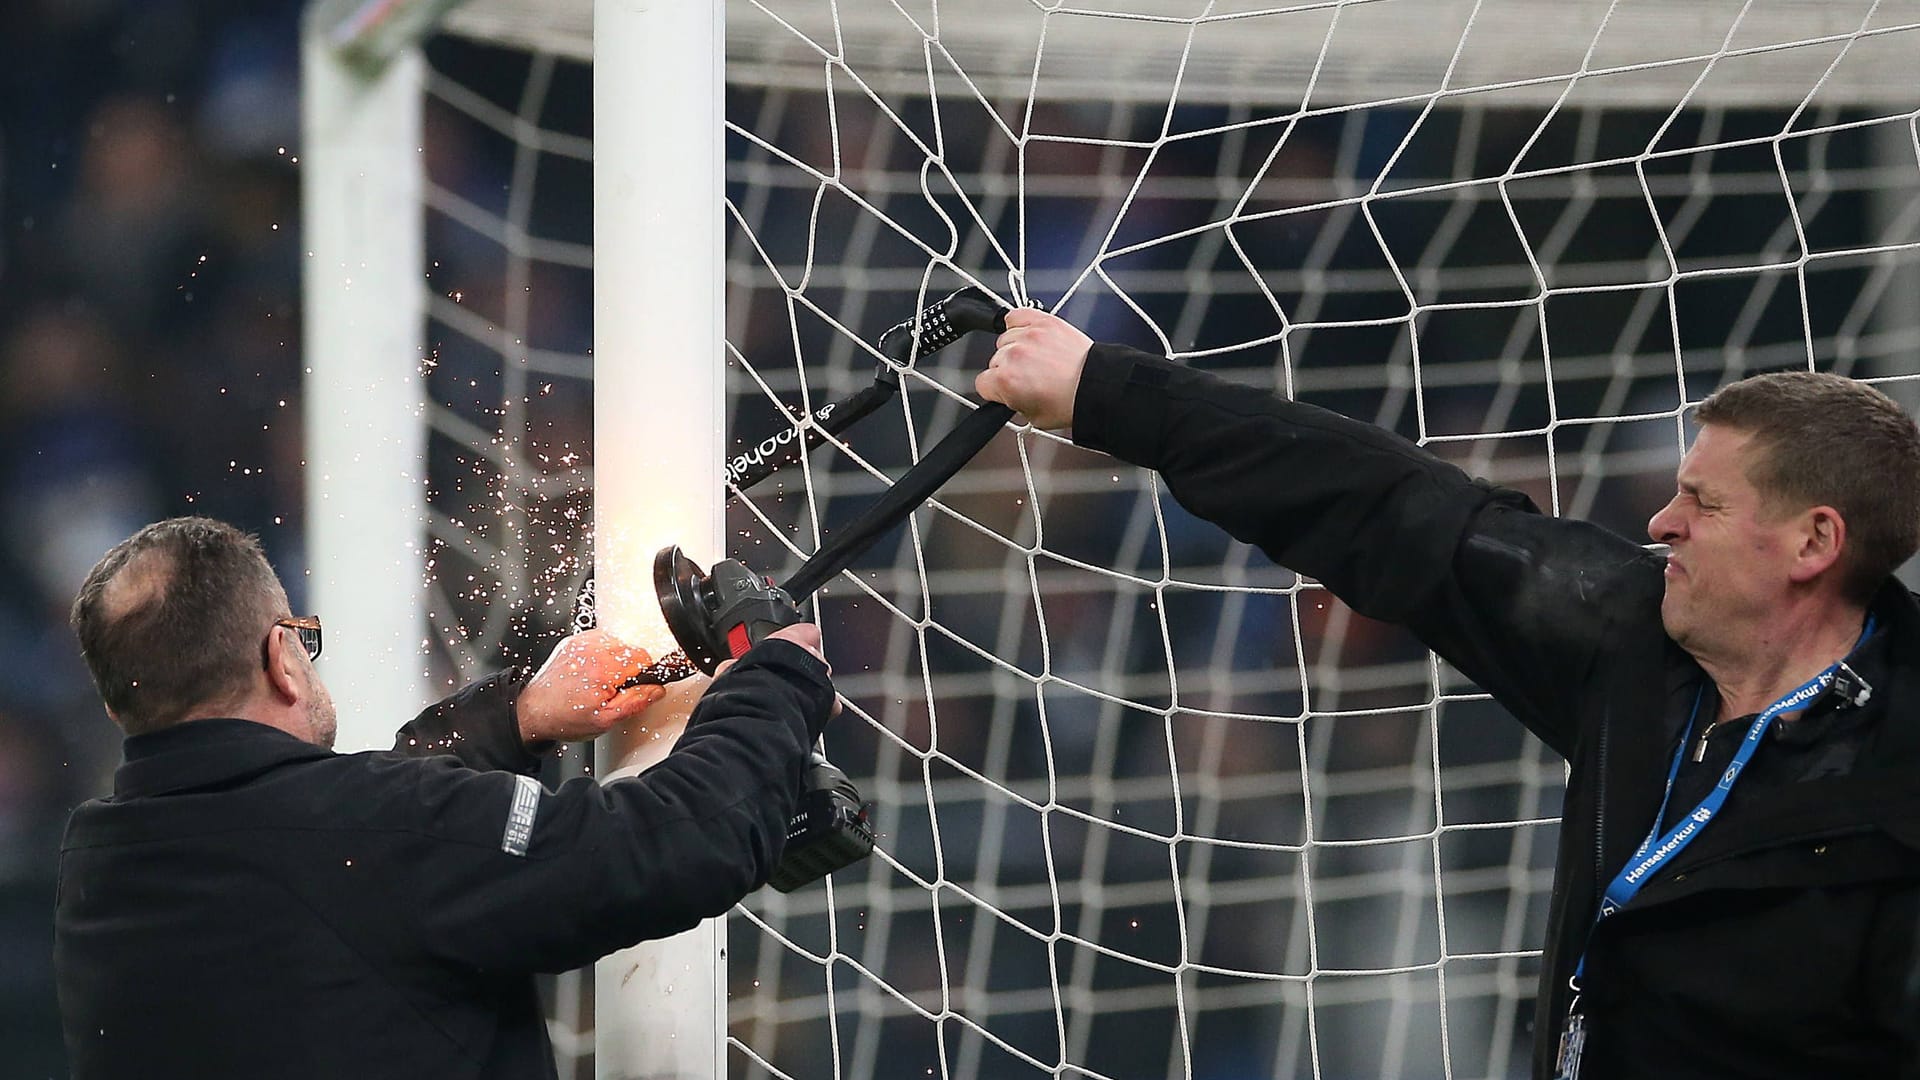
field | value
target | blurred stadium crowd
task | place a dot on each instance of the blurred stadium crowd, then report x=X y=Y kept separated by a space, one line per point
x=149 y=364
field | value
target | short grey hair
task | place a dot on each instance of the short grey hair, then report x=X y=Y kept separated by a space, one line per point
x=176 y=617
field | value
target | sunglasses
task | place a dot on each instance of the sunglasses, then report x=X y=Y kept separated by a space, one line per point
x=307 y=629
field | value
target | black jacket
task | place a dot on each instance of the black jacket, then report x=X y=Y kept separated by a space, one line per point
x=248 y=905
x=1780 y=943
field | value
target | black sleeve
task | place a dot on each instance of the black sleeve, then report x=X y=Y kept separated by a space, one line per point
x=477 y=724
x=1518 y=601
x=509 y=876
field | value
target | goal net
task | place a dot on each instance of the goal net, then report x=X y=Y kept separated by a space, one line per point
x=1148 y=804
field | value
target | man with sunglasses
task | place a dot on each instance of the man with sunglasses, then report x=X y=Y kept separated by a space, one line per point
x=248 y=903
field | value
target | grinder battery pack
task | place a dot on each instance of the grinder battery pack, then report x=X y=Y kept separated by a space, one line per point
x=718 y=616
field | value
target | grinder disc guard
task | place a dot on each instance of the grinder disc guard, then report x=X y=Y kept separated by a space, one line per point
x=686 y=601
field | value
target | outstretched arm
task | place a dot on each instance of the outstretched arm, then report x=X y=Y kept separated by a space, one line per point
x=1515 y=599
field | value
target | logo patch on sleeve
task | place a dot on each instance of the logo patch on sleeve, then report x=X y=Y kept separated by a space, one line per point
x=526 y=806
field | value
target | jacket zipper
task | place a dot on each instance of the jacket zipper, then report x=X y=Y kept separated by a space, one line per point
x=1600 y=818
x=1599 y=853
x=1700 y=748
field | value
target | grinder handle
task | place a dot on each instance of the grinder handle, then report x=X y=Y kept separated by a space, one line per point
x=747 y=607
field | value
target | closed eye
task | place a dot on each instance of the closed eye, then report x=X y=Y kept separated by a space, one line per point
x=1693 y=494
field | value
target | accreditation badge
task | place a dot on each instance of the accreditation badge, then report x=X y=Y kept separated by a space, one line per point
x=1573 y=1040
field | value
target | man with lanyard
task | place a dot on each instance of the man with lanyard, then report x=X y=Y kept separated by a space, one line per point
x=1738 y=877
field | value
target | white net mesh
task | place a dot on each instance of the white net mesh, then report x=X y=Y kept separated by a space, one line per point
x=1150 y=805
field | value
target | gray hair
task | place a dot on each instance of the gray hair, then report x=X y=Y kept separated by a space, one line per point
x=176 y=617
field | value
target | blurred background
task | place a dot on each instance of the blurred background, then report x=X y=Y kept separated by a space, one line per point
x=150 y=365
x=149 y=362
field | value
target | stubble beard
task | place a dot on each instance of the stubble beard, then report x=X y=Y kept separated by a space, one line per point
x=321 y=718
x=1674 y=618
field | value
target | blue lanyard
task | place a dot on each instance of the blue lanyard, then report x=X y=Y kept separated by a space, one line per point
x=1657 y=851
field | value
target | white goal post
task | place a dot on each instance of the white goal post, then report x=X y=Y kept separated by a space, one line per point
x=1148 y=805
x=659 y=307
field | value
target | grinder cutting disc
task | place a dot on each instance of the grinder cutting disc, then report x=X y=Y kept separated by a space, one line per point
x=686 y=600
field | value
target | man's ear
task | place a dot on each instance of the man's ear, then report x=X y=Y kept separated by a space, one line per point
x=1823 y=535
x=283 y=667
